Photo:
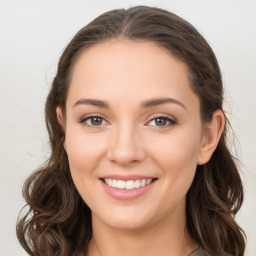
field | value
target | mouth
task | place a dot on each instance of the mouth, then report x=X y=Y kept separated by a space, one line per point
x=128 y=187
x=128 y=184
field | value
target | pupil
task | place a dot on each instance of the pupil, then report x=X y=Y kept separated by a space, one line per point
x=96 y=121
x=160 y=121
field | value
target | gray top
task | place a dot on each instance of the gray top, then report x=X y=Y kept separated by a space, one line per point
x=197 y=252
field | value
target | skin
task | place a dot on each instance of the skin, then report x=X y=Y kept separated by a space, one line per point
x=129 y=140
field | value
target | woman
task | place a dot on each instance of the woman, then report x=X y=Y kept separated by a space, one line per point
x=139 y=161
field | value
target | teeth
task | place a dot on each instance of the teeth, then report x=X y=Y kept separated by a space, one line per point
x=129 y=184
x=137 y=183
x=120 y=184
x=114 y=183
x=148 y=181
x=143 y=182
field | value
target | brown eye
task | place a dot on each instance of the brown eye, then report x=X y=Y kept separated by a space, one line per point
x=162 y=122
x=96 y=120
x=92 y=121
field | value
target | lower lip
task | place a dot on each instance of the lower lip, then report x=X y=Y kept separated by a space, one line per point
x=126 y=194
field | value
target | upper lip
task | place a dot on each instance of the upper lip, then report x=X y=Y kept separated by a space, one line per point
x=127 y=177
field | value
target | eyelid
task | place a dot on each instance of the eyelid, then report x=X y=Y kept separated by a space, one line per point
x=172 y=120
x=86 y=117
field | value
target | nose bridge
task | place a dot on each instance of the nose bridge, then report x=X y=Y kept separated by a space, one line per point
x=126 y=144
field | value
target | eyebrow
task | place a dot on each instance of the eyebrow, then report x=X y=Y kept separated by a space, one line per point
x=145 y=104
x=93 y=102
x=159 y=101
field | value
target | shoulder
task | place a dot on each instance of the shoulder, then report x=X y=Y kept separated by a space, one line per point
x=197 y=252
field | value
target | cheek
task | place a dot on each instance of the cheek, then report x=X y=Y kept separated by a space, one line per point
x=84 y=151
x=176 y=150
x=176 y=155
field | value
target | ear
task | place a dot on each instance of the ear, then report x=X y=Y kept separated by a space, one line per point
x=61 y=121
x=59 y=116
x=211 y=135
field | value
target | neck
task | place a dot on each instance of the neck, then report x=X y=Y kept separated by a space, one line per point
x=159 y=239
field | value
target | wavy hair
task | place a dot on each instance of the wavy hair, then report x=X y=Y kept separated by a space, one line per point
x=57 y=222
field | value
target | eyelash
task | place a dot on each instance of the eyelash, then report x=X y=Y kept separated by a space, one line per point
x=83 y=120
x=171 y=121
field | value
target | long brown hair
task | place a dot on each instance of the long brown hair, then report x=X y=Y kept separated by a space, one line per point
x=58 y=222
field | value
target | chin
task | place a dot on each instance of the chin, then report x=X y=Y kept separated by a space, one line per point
x=127 y=220
x=128 y=225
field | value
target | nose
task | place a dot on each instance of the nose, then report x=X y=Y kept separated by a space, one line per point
x=125 y=146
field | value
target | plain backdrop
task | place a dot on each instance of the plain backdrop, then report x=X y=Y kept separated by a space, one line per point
x=33 y=34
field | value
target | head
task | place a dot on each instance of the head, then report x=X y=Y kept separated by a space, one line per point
x=152 y=34
x=131 y=31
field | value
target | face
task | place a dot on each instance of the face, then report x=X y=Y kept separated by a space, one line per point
x=133 y=133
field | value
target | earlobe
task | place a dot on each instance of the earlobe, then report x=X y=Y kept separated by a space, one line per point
x=211 y=136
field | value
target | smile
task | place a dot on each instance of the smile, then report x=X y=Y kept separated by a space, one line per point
x=127 y=187
x=129 y=184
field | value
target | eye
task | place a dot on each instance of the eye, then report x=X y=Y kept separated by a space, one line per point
x=92 y=121
x=162 y=122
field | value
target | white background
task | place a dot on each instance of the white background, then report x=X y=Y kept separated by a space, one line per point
x=32 y=37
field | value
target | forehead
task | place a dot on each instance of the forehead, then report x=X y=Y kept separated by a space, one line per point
x=124 y=52
x=128 y=69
